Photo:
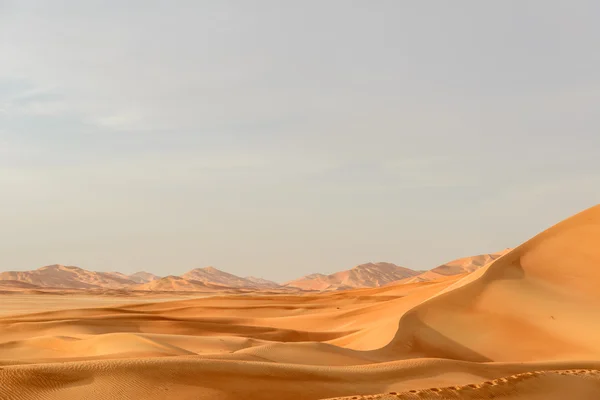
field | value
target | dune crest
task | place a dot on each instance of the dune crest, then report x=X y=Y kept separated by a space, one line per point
x=524 y=326
x=541 y=297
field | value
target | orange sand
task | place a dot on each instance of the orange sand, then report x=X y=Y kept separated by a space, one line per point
x=526 y=326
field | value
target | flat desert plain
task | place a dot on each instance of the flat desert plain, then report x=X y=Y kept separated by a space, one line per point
x=526 y=326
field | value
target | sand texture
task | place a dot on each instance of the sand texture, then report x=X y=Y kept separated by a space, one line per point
x=524 y=326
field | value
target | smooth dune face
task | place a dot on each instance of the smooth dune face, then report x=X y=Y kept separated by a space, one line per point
x=541 y=297
x=525 y=326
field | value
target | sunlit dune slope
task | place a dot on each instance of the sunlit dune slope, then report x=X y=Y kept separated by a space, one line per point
x=525 y=326
x=538 y=302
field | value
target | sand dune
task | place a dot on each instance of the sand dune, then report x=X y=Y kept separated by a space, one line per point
x=263 y=283
x=541 y=297
x=540 y=385
x=216 y=277
x=364 y=275
x=525 y=326
x=69 y=277
x=463 y=265
x=174 y=283
x=191 y=378
x=361 y=276
x=60 y=276
x=143 y=277
x=9 y=284
x=467 y=264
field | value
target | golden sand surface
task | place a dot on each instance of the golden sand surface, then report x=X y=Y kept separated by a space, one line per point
x=526 y=326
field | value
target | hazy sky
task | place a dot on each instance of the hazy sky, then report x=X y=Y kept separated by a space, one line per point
x=280 y=138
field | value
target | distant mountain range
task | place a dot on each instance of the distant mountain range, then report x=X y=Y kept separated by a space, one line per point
x=173 y=283
x=211 y=279
x=456 y=267
x=60 y=276
x=364 y=275
x=213 y=276
x=143 y=277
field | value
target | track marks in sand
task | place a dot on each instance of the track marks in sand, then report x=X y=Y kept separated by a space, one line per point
x=528 y=385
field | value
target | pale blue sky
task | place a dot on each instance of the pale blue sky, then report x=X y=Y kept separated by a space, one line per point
x=280 y=138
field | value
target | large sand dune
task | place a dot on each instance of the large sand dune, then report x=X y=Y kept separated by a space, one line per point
x=542 y=298
x=526 y=326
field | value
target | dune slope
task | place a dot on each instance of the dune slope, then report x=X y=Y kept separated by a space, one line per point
x=541 y=298
x=523 y=327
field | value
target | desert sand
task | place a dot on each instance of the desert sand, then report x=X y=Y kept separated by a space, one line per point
x=524 y=326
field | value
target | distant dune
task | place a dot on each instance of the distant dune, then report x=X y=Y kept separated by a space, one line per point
x=214 y=276
x=65 y=277
x=143 y=277
x=174 y=283
x=524 y=326
x=456 y=267
x=11 y=284
x=361 y=276
x=467 y=264
x=263 y=283
x=60 y=276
